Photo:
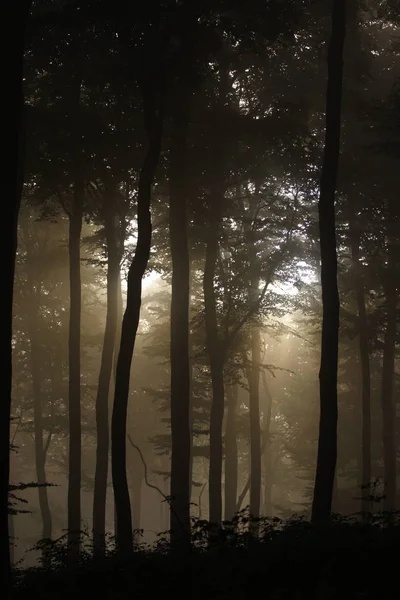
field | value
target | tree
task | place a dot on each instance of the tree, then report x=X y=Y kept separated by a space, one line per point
x=180 y=366
x=327 y=442
x=75 y=215
x=114 y=252
x=15 y=15
x=153 y=117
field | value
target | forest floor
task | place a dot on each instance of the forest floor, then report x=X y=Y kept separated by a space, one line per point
x=291 y=560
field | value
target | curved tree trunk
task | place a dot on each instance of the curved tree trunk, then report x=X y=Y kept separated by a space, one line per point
x=15 y=16
x=231 y=453
x=180 y=363
x=327 y=442
x=130 y=323
x=355 y=238
x=103 y=388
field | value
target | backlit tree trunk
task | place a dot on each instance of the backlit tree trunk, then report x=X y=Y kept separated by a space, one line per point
x=130 y=323
x=74 y=361
x=255 y=429
x=327 y=442
x=266 y=445
x=231 y=453
x=103 y=388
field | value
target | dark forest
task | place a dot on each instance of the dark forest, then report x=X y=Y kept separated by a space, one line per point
x=201 y=343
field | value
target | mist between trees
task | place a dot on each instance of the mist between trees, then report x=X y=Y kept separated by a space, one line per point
x=168 y=308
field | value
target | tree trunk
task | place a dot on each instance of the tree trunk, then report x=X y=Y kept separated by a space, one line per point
x=355 y=238
x=15 y=16
x=180 y=364
x=75 y=214
x=255 y=429
x=389 y=353
x=327 y=442
x=231 y=453
x=216 y=358
x=74 y=359
x=266 y=446
x=103 y=388
x=130 y=323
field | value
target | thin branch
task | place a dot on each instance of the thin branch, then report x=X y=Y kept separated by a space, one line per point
x=155 y=487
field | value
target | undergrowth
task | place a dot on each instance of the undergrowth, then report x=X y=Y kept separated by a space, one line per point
x=291 y=559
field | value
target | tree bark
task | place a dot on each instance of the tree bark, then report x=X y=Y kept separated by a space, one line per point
x=255 y=428
x=130 y=323
x=103 y=388
x=180 y=363
x=216 y=348
x=231 y=453
x=266 y=449
x=15 y=15
x=327 y=442
x=355 y=239
x=74 y=361
x=216 y=359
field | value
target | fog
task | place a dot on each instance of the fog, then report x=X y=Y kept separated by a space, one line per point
x=205 y=330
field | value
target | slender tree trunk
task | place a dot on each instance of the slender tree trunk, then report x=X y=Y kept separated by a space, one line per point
x=247 y=485
x=327 y=442
x=389 y=353
x=266 y=445
x=15 y=16
x=255 y=429
x=355 y=239
x=103 y=388
x=216 y=358
x=231 y=453
x=40 y=458
x=75 y=214
x=180 y=364
x=74 y=359
x=130 y=323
